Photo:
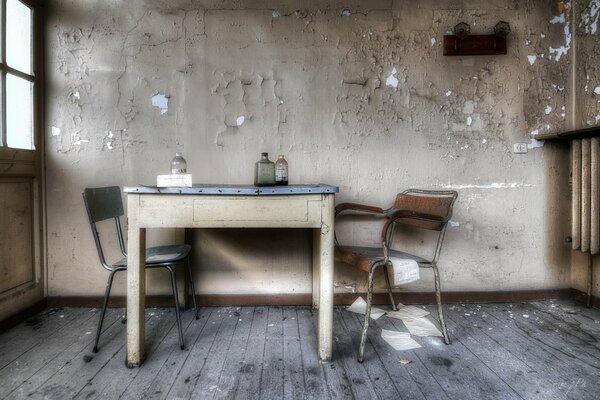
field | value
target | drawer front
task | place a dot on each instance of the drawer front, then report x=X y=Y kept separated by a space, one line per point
x=251 y=209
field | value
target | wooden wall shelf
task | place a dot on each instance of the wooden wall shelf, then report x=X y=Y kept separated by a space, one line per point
x=474 y=45
x=593 y=131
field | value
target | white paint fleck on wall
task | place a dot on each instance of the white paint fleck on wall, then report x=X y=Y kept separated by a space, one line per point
x=240 y=120
x=161 y=101
x=532 y=58
x=448 y=93
x=276 y=14
x=454 y=224
x=433 y=41
x=109 y=139
x=469 y=120
x=533 y=143
x=597 y=90
x=535 y=132
x=547 y=110
x=76 y=95
x=55 y=131
x=392 y=80
x=559 y=19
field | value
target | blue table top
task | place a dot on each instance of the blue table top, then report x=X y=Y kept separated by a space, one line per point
x=240 y=190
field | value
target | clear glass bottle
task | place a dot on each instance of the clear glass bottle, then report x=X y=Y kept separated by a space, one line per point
x=264 y=171
x=281 y=171
x=178 y=165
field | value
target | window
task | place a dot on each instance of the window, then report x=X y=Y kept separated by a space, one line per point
x=18 y=82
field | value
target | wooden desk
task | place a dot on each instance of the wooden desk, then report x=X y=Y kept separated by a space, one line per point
x=231 y=206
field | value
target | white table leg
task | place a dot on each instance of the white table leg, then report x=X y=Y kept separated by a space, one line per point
x=316 y=266
x=136 y=288
x=326 y=247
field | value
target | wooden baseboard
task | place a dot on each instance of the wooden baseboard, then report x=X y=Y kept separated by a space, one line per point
x=27 y=313
x=580 y=298
x=305 y=299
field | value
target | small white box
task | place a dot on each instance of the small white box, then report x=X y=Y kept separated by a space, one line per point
x=175 y=180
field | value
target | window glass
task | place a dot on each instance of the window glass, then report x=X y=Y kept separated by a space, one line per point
x=18 y=29
x=19 y=113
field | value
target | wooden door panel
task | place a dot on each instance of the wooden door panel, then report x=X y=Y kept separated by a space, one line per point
x=16 y=235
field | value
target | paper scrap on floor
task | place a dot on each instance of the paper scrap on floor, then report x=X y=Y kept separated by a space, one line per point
x=399 y=340
x=404 y=270
x=421 y=327
x=360 y=307
x=408 y=312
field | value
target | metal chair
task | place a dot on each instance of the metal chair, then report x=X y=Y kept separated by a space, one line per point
x=106 y=203
x=423 y=209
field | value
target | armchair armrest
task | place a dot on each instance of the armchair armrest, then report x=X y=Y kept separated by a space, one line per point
x=395 y=214
x=357 y=207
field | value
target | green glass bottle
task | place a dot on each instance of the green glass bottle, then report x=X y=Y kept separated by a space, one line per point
x=264 y=171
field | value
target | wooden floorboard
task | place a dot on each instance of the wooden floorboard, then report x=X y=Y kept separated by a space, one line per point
x=538 y=350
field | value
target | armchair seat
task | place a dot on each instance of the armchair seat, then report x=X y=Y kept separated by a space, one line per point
x=156 y=256
x=365 y=257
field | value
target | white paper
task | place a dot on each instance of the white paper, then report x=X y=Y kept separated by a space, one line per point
x=405 y=271
x=360 y=307
x=399 y=340
x=421 y=327
x=408 y=312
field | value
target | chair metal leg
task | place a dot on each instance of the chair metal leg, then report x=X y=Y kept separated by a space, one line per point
x=109 y=283
x=176 y=297
x=438 y=298
x=189 y=268
x=389 y=286
x=363 y=338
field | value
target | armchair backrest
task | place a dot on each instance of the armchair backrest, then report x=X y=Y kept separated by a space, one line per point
x=435 y=203
x=102 y=204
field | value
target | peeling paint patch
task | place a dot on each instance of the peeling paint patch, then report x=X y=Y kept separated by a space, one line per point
x=548 y=110
x=558 y=19
x=454 y=224
x=345 y=12
x=55 y=131
x=495 y=185
x=469 y=121
x=78 y=142
x=433 y=41
x=535 y=132
x=240 y=120
x=597 y=90
x=562 y=50
x=275 y=14
x=532 y=58
x=589 y=17
x=76 y=95
x=392 y=80
x=161 y=101
x=448 y=93
x=533 y=143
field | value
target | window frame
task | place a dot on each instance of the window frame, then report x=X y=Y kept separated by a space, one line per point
x=34 y=78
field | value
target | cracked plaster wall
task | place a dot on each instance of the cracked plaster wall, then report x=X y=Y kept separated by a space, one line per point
x=361 y=99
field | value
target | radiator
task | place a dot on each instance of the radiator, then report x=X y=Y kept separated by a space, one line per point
x=585 y=158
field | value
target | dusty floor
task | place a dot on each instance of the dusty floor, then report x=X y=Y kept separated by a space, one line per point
x=545 y=350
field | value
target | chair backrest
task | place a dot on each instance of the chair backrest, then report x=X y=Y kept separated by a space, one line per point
x=102 y=204
x=437 y=203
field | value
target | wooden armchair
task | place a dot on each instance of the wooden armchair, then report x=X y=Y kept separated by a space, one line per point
x=422 y=209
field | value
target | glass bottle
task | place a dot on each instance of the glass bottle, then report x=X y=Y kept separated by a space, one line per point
x=264 y=171
x=281 y=171
x=178 y=165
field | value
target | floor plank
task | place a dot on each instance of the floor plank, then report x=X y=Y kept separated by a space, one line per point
x=539 y=350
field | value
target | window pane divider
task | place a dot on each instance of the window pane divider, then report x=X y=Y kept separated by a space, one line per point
x=18 y=73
